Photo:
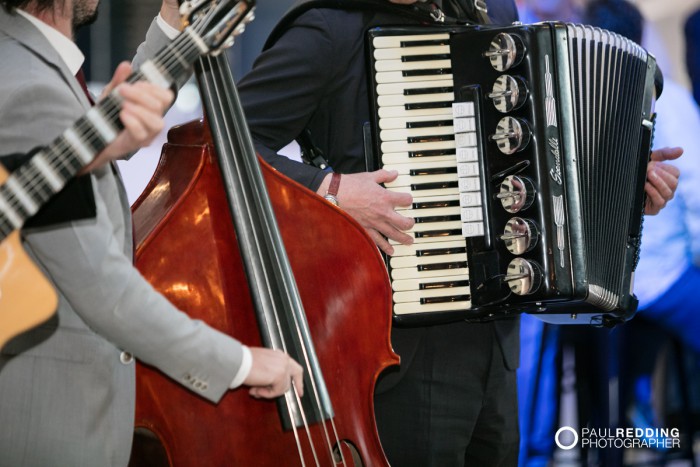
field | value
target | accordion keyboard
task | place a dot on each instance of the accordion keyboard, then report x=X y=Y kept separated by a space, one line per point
x=434 y=146
x=512 y=141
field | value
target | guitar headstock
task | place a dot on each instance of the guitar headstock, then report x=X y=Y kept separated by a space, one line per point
x=217 y=22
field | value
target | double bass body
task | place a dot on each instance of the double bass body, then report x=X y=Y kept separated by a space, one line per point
x=187 y=248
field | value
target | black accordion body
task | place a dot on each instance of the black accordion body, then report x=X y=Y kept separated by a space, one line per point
x=525 y=149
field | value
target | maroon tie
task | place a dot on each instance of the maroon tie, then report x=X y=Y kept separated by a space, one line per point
x=80 y=76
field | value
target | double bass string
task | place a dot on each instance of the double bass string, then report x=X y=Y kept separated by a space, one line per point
x=277 y=323
x=221 y=99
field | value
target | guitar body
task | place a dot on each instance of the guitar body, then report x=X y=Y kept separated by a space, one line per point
x=27 y=298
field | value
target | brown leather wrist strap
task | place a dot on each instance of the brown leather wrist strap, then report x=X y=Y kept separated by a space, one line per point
x=335 y=184
x=332 y=193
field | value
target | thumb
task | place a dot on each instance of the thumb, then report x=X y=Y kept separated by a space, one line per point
x=120 y=75
x=666 y=154
x=383 y=176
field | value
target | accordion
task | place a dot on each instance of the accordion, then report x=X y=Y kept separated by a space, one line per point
x=525 y=150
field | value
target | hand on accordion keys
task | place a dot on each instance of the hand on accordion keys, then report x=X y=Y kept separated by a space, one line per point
x=662 y=179
x=374 y=207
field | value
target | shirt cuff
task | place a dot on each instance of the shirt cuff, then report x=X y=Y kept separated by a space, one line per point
x=244 y=370
x=167 y=29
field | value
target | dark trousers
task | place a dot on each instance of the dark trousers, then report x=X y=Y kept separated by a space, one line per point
x=454 y=403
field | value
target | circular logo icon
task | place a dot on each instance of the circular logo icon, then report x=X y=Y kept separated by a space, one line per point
x=562 y=430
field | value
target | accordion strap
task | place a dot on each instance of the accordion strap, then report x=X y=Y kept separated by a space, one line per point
x=476 y=9
x=422 y=12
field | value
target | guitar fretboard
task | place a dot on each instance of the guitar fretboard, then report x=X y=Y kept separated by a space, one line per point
x=48 y=171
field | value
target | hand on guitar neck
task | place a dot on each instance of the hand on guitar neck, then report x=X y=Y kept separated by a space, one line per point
x=128 y=117
x=23 y=285
x=141 y=114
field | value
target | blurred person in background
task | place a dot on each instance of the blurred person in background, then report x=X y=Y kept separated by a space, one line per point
x=665 y=281
x=692 y=51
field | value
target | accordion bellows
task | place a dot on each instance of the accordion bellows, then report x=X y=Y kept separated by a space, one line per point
x=525 y=149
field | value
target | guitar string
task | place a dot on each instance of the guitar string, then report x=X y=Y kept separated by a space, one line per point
x=56 y=154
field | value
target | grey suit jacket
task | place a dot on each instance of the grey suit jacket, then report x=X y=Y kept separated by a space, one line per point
x=67 y=387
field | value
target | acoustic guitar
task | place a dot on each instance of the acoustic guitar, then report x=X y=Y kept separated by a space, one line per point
x=27 y=298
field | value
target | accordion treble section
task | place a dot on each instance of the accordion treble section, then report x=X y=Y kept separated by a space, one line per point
x=525 y=150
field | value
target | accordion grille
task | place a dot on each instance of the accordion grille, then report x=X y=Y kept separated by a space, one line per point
x=608 y=74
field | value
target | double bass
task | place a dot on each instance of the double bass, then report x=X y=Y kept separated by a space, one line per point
x=232 y=242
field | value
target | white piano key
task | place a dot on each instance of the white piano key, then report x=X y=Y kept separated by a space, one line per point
x=396 y=123
x=405 y=169
x=428 y=199
x=414 y=273
x=413 y=261
x=437 y=226
x=403 y=158
x=400 y=111
x=397 y=65
x=402 y=146
x=452 y=191
x=398 y=77
x=446 y=238
x=400 y=99
x=474 y=214
x=463 y=109
x=473 y=229
x=400 y=87
x=463 y=140
x=404 y=134
x=413 y=307
x=469 y=184
x=467 y=154
x=463 y=124
x=412 y=250
x=416 y=295
x=408 y=180
x=470 y=199
x=407 y=285
x=468 y=169
x=433 y=212
x=393 y=53
x=397 y=41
